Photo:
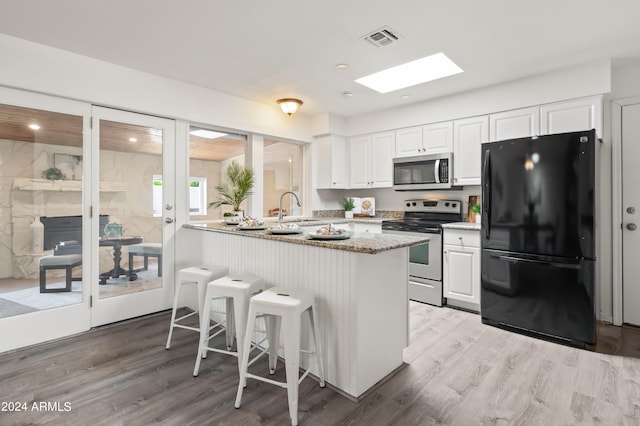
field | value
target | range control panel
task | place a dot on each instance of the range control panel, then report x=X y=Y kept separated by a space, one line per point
x=433 y=206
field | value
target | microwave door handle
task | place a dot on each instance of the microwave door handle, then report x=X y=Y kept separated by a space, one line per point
x=436 y=170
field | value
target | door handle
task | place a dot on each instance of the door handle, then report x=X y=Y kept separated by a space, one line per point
x=169 y=220
x=632 y=226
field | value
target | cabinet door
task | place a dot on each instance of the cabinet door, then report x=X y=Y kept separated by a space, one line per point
x=360 y=160
x=409 y=142
x=339 y=165
x=468 y=136
x=437 y=137
x=461 y=273
x=518 y=123
x=570 y=116
x=330 y=162
x=382 y=149
x=371 y=228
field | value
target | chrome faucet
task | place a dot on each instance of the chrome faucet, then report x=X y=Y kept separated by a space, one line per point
x=280 y=209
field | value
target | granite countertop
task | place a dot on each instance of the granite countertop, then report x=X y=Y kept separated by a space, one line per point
x=365 y=242
x=467 y=226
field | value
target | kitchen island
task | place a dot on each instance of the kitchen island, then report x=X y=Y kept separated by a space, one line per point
x=360 y=286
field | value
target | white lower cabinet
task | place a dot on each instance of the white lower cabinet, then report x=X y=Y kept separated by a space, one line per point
x=461 y=268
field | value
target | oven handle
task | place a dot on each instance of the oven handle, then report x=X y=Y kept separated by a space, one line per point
x=398 y=232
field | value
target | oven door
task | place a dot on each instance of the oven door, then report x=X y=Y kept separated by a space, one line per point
x=425 y=260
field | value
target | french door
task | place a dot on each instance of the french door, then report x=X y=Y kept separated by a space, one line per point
x=43 y=191
x=133 y=192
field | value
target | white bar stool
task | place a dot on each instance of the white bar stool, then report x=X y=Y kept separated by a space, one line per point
x=286 y=306
x=200 y=276
x=237 y=291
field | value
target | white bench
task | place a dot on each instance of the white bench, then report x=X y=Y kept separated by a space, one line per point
x=147 y=250
x=64 y=261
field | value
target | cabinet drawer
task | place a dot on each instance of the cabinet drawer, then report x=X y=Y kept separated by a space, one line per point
x=462 y=238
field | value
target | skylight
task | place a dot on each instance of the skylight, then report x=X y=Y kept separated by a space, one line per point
x=410 y=74
x=208 y=134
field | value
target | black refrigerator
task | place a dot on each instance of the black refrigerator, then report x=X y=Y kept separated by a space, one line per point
x=538 y=237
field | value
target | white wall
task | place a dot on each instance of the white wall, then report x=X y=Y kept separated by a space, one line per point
x=38 y=68
x=586 y=80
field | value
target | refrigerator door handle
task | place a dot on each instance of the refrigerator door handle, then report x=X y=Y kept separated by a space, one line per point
x=540 y=262
x=486 y=194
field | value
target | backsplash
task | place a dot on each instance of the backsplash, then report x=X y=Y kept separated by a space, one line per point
x=381 y=214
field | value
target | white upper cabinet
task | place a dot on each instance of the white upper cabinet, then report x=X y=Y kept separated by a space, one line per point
x=371 y=160
x=518 y=123
x=360 y=161
x=382 y=147
x=571 y=116
x=422 y=140
x=409 y=141
x=437 y=137
x=331 y=164
x=468 y=136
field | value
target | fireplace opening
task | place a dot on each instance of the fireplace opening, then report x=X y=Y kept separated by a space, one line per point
x=66 y=228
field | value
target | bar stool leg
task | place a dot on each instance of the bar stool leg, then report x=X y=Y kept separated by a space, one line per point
x=173 y=312
x=273 y=334
x=246 y=346
x=291 y=330
x=313 y=321
x=231 y=322
x=204 y=333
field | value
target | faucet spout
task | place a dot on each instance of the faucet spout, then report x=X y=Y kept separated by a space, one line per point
x=281 y=197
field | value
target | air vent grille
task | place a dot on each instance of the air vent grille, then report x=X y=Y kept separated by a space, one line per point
x=382 y=37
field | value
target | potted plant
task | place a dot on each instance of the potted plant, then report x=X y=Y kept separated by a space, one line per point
x=236 y=188
x=476 y=210
x=53 y=173
x=348 y=205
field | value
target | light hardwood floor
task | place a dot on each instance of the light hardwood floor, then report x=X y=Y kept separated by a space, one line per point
x=458 y=372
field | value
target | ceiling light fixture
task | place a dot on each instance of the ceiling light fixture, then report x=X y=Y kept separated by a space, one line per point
x=410 y=74
x=34 y=126
x=207 y=134
x=133 y=140
x=342 y=67
x=289 y=105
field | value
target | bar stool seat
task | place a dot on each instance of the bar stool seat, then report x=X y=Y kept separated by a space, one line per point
x=200 y=276
x=237 y=291
x=284 y=306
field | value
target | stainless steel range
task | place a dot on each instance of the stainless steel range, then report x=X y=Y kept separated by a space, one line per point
x=425 y=260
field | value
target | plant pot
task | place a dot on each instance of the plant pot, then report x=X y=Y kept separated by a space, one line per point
x=348 y=214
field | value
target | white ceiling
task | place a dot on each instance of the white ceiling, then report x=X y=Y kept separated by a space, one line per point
x=265 y=50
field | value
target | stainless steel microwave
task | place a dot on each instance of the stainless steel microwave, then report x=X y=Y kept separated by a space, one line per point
x=433 y=171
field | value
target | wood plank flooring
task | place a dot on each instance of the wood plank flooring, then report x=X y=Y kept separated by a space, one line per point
x=458 y=372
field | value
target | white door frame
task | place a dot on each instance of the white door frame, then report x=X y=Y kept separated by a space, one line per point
x=109 y=310
x=41 y=326
x=616 y=204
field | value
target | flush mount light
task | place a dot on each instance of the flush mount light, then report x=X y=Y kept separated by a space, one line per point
x=207 y=134
x=133 y=140
x=415 y=72
x=342 y=67
x=34 y=126
x=289 y=105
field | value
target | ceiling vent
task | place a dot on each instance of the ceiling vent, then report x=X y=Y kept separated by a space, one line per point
x=382 y=37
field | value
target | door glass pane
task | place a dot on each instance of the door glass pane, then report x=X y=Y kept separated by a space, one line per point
x=130 y=244
x=210 y=152
x=282 y=173
x=40 y=210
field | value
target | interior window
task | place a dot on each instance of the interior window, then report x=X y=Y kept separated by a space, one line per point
x=210 y=151
x=282 y=173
